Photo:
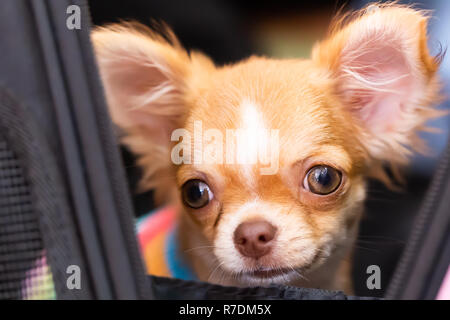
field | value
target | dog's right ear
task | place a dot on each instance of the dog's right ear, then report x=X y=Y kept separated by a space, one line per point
x=147 y=80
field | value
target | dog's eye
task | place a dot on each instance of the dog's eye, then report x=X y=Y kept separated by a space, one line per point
x=196 y=194
x=322 y=180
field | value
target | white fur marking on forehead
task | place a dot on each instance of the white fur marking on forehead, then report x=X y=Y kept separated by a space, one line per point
x=253 y=134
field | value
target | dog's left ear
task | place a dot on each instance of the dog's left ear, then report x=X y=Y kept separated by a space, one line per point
x=385 y=76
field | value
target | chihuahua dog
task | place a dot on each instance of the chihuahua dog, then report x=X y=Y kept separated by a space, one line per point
x=348 y=113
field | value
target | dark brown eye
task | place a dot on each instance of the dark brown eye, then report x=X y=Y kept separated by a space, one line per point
x=322 y=180
x=196 y=194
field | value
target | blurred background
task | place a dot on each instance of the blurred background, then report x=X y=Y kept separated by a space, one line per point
x=230 y=30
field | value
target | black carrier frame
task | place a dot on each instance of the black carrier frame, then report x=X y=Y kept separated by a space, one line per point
x=54 y=127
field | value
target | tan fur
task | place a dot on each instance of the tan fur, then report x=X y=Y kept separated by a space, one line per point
x=153 y=87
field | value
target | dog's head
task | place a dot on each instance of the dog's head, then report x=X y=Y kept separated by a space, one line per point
x=307 y=132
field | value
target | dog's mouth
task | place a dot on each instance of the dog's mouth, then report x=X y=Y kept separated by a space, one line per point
x=267 y=273
x=282 y=273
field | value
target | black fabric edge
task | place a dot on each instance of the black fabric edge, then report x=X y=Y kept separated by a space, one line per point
x=410 y=278
x=104 y=178
x=114 y=163
x=176 y=289
x=71 y=156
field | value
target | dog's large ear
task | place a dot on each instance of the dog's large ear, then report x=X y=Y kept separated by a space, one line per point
x=384 y=75
x=147 y=79
x=144 y=76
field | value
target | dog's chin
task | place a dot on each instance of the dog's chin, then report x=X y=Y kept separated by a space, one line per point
x=260 y=275
x=265 y=277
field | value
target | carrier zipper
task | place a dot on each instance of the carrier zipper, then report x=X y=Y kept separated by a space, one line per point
x=420 y=228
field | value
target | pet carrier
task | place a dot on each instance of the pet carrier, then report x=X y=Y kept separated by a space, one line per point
x=65 y=208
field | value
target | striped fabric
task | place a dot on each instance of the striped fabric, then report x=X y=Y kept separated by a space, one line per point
x=38 y=284
x=160 y=246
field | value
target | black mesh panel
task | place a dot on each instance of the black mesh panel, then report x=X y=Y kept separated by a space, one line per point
x=24 y=273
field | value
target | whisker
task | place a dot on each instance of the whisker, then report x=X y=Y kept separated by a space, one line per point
x=197 y=248
x=298 y=273
x=215 y=269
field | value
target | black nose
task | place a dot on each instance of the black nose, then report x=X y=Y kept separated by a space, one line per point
x=254 y=238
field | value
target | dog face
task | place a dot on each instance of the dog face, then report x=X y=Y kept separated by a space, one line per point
x=325 y=124
x=268 y=227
